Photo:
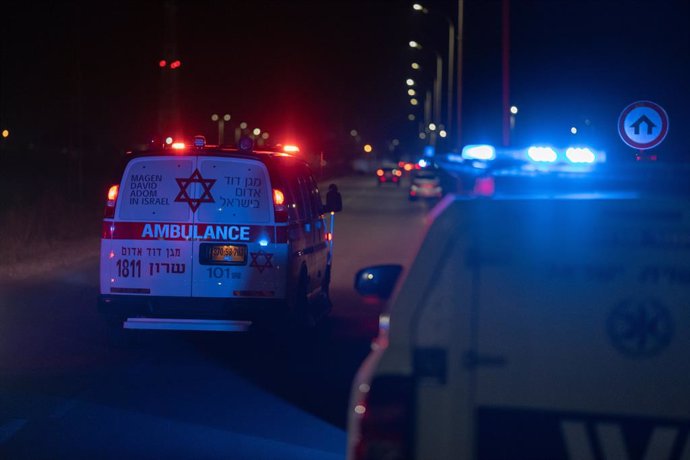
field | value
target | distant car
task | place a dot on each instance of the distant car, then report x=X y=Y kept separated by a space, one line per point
x=425 y=184
x=390 y=175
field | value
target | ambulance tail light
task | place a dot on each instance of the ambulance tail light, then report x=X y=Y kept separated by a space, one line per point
x=385 y=416
x=484 y=186
x=110 y=204
x=279 y=208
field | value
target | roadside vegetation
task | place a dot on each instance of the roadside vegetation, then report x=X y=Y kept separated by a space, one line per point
x=50 y=209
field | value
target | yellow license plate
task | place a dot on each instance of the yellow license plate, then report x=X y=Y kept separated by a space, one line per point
x=227 y=253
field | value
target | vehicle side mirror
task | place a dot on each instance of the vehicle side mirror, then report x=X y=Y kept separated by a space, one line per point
x=377 y=280
x=334 y=202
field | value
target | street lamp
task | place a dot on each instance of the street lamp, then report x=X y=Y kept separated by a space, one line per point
x=221 y=126
x=451 y=54
x=238 y=131
x=438 y=83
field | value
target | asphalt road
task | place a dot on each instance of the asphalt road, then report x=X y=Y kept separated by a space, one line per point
x=67 y=392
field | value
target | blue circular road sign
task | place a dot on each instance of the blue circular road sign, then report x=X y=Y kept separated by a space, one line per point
x=643 y=125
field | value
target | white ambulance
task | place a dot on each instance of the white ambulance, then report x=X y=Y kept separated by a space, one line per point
x=533 y=328
x=198 y=237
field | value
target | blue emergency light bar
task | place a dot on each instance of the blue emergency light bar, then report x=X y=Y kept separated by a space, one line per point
x=538 y=155
x=541 y=154
x=479 y=152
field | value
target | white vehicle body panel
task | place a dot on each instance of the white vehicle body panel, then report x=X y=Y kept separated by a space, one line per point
x=169 y=208
x=564 y=327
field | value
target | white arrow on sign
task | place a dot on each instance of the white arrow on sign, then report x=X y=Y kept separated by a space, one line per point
x=643 y=125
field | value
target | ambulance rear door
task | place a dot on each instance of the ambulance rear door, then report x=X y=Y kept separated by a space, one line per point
x=235 y=249
x=580 y=322
x=146 y=250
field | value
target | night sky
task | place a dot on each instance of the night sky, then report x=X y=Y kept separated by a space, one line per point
x=86 y=74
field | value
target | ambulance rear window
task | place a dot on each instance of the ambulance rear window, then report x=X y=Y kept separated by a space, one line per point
x=241 y=192
x=150 y=190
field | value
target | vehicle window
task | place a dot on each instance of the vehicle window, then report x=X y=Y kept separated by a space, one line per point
x=305 y=190
x=426 y=175
x=240 y=191
x=316 y=202
x=300 y=206
x=150 y=190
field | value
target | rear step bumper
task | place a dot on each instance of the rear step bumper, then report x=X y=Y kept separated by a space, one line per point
x=180 y=311
x=176 y=324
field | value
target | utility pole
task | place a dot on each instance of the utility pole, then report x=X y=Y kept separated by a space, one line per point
x=506 y=72
x=451 y=56
x=168 y=109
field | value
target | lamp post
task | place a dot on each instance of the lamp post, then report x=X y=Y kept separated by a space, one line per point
x=513 y=112
x=221 y=126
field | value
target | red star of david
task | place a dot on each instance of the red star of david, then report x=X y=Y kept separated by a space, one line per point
x=261 y=266
x=195 y=178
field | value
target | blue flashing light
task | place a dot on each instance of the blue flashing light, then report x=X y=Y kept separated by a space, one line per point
x=542 y=154
x=263 y=242
x=580 y=155
x=429 y=151
x=479 y=152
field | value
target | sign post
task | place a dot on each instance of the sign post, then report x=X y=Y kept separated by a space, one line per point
x=643 y=125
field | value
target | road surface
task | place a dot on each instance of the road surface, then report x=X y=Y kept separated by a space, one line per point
x=67 y=392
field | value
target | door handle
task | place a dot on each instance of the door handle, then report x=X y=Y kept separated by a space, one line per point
x=472 y=360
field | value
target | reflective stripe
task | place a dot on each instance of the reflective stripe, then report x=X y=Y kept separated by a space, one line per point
x=187 y=231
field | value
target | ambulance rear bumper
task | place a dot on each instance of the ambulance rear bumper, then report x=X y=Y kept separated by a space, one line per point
x=118 y=308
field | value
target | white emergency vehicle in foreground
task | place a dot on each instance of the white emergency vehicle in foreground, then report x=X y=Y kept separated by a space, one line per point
x=534 y=327
x=206 y=238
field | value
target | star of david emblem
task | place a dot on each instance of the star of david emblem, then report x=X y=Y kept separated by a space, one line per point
x=640 y=329
x=195 y=178
x=256 y=260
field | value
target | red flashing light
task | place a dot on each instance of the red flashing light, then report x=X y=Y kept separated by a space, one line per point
x=112 y=192
x=280 y=212
x=379 y=172
x=178 y=145
x=278 y=197
x=175 y=64
x=291 y=149
x=110 y=204
x=162 y=63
